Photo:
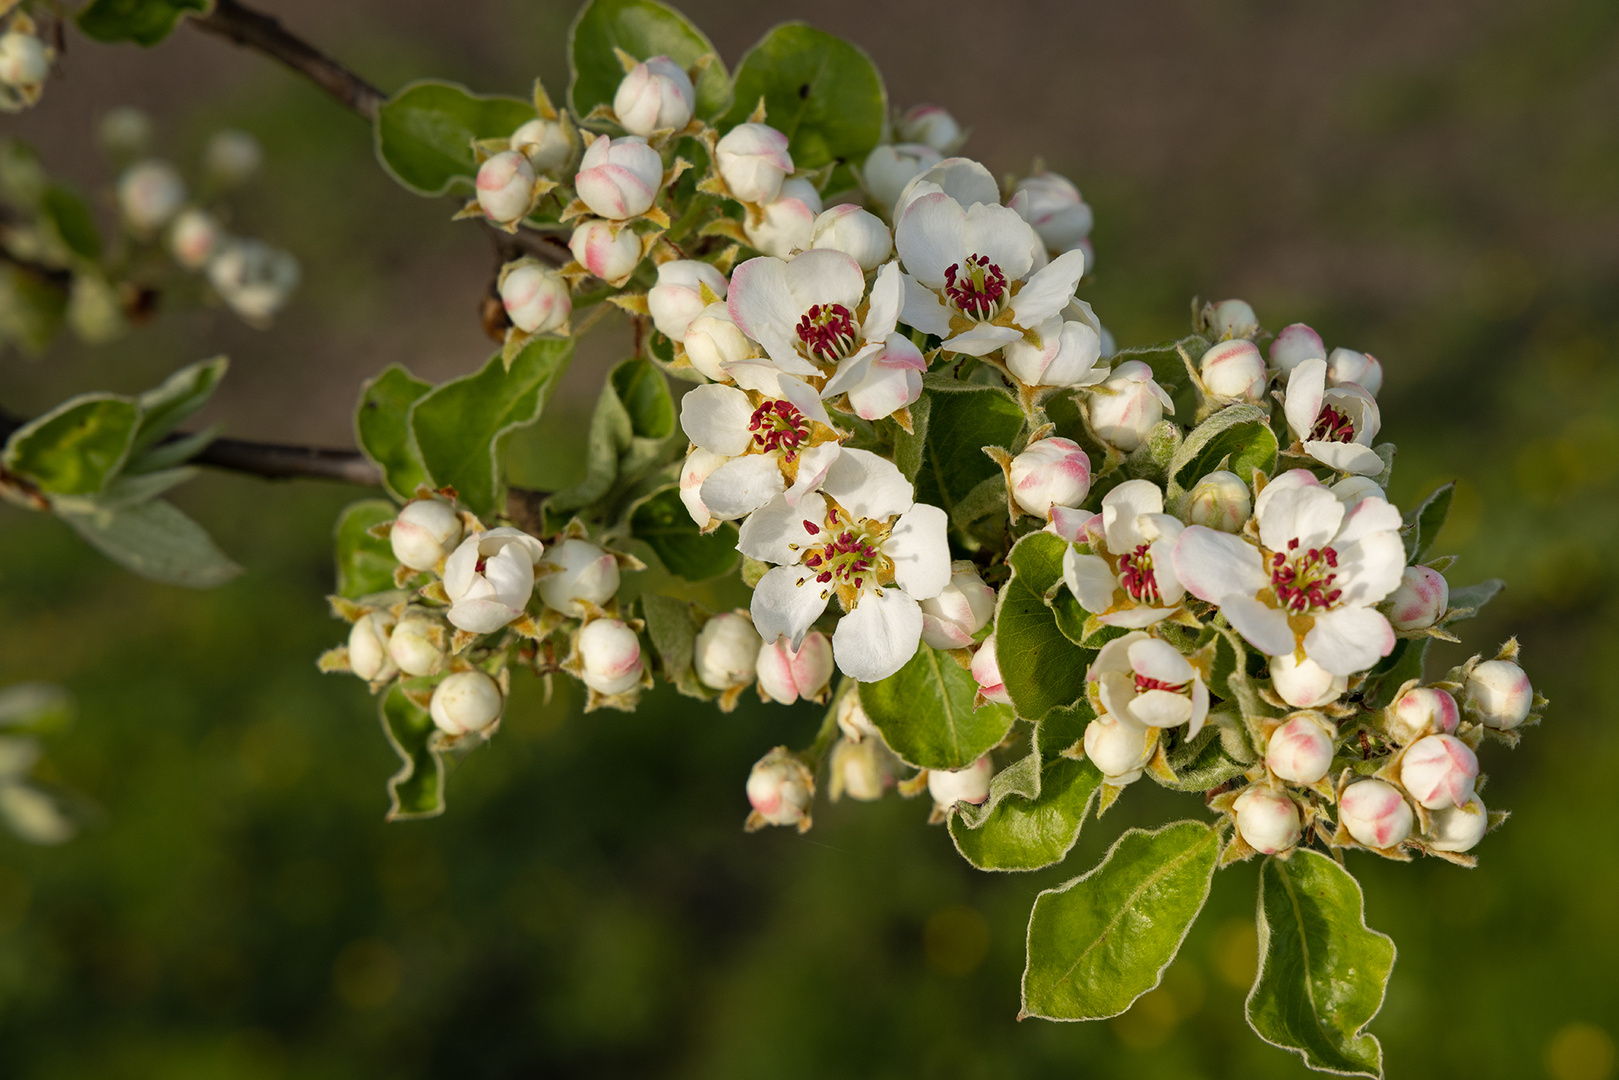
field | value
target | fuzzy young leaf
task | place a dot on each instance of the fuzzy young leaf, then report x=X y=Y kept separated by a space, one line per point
x=1210 y=758
x=155 y=540
x=382 y=428
x=365 y=564
x=145 y=22
x=1241 y=433
x=632 y=432
x=673 y=631
x=1473 y=597
x=71 y=219
x=32 y=308
x=168 y=405
x=424 y=133
x=417 y=789
x=1322 y=971
x=1023 y=831
x=664 y=523
x=1406 y=661
x=1423 y=523
x=643 y=29
x=1041 y=667
x=925 y=712
x=76 y=447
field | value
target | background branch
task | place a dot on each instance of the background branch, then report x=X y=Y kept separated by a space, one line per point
x=256 y=30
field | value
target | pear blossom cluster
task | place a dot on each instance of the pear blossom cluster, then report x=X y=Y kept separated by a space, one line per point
x=25 y=63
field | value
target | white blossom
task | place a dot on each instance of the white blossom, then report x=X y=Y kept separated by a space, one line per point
x=254 y=279
x=490 y=578
x=1349 y=366
x=419 y=643
x=1305 y=684
x=1119 y=747
x=1457 y=828
x=24 y=60
x=726 y=653
x=786 y=224
x=1069 y=352
x=986 y=672
x=609 y=253
x=771 y=446
x=465 y=702
x=505 y=187
x=713 y=342
x=1335 y=426
x=150 y=192
x=787 y=674
x=1439 y=770
x=1053 y=206
x=856 y=232
x=932 y=126
x=580 y=575
x=1300 y=750
x=1220 y=501
x=753 y=161
x=368 y=647
x=1231 y=319
x=962 y=608
x=970 y=785
x=548 y=144
x=780 y=789
x=889 y=168
x=535 y=297
x=1497 y=695
x=862 y=770
x=425 y=531
x=1129 y=577
x=232 y=157
x=1419 y=600
x=1148 y=681
x=1420 y=711
x=194 y=237
x=1293 y=345
x=609 y=655
x=1375 y=813
x=1233 y=370
x=1049 y=472
x=1267 y=819
x=679 y=295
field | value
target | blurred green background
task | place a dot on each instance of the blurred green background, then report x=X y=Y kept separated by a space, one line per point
x=1438 y=184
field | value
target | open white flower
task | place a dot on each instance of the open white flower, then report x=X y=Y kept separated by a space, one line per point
x=768 y=444
x=1335 y=426
x=863 y=538
x=806 y=311
x=1147 y=680
x=1069 y=352
x=1307 y=590
x=490 y=577
x=1128 y=577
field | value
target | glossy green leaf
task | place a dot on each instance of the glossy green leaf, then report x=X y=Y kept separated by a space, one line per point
x=1041 y=667
x=35 y=708
x=1026 y=831
x=953 y=472
x=1102 y=940
x=461 y=428
x=170 y=404
x=32 y=308
x=1322 y=970
x=643 y=29
x=76 y=447
x=417 y=789
x=1422 y=525
x=144 y=22
x=925 y=712
x=424 y=133
x=672 y=628
x=663 y=522
x=365 y=564
x=1062 y=728
x=71 y=219
x=382 y=428
x=1241 y=433
x=155 y=540
x=632 y=433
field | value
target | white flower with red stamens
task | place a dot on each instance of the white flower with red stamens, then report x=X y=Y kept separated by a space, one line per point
x=1128 y=578
x=772 y=444
x=1335 y=426
x=1148 y=681
x=864 y=539
x=1310 y=585
x=490 y=577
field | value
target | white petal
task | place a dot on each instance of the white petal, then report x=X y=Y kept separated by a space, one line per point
x=1200 y=706
x=824 y=276
x=802 y=396
x=1161 y=709
x=851 y=370
x=742 y=485
x=1160 y=660
x=460 y=568
x=920 y=549
x=1163 y=571
x=510 y=572
x=964 y=180
x=877 y=638
x=1302 y=402
x=1347 y=640
x=1115 y=656
x=1295 y=506
x=716 y=418
x=1117 y=691
x=1050 y=289
x=1265 y=627
x=812 y=466
x=775 y=532
x=1213 y=565
x=1369 y=568
x=930 y=236
x=982 y=339
x=700 y=464
x=1068 y=522
x=786 y=603
x=1000 y=234
x=762 y=305
x=886 y=389
x=923 y=308
x=481 y=616
x=1135 y=617
x=1350 y=458
x=1120 y=509
x=887 y=296
x=868 y=486
x=1089 y=579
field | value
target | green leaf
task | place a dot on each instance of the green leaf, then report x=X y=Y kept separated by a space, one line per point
x=1407 y=660
x=382 y=428
x=1217 y=753
x=170 y=404
x=71 y=219
x=910 y=447
x=925 y=712
x=170 y=452
x=1023 y=831
x=1322 y=970
x=424 y=133
x=1240 y=432
x=822 y=92
x=951 y=459
x=643 y=29
x=155 y=540
x=35 y=708
x=672 y=628
x=365 y=564
x=1102 y=940
x=1062 y=728
x=76 y=447
x=1472 y=597
x=1041 y=667
x=632 y=433
x=124 y=490
x=417 y=789
x=32 y=308
x=1423 y=524
x=145 y=22
x=663 y=522
x=461 y=427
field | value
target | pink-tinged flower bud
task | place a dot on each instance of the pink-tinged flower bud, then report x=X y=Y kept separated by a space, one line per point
x=536 y=298
x=753 y=161
x=619 y=178
x=699 y=464
x=583 y=574
x=1293 y=345
x=419 y=643
x=1439 y=770
x=425 y=531
x=852 y=718
x=1267 y=819
x=1376 y=814
x=713 y=340
x=490 y=578
x=194 y=238
x=1119 y=747
x=1234 y=369
x=969 y=785
x=1052 y=205
x=1419 y=600
x=1300 y=751
x=963 y=608
x=932 y=126
x=1051 y=472
x=888 y=169
x=781 y=788
x=1497 y=694
x=861 y=770
x=986 y=671
x=23 y=60
x=232 y=157
x=786 y=224
x=1231 y=319
x=656 y=95
x=610 y=653
x=1458 y=828
x=1220 y=501
x=1354 y=490
x=254 y=279
x=856 y=232
x=548 y=144
x=1069 y=354
x=368 y=647
x=1349 y=366
x=149 y=194
x=465 y=702
x=1420 y=711
x=727 y=651
x=610 y=254
x=1304 y=684
x=505 y=187
x=1128 y=405
x=677 y=298
x=785 y=675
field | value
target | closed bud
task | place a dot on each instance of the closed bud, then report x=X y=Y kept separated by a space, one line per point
x=583 y=574
x=852 y=719
x=1119 y=747
x=254 y=279
x=425 y=531
x=785 y=224
x=1069 y=354
x=1458 y=828
x=1231 y=319
x=610 y=656
x=535 y=297
x=931 y=126
x=1497 y=694
x=727 y=651
x=656 y=95
x=1300 y=751
x=1292 y=346
x=1267 y=819
x=785 y=675
x=1305 y=684
x=986 y=672
x=713 y=340
x=1439 y=770
x=368 y=646
x=1220 y=501
x=969 y=785
x=1354 y=490
x=1422 y=710
x=23 y=60
x=889 y=168
x=856 y=232
x=548 y=144
x=1349 y=366
x=963 y=608
x=619 y=178
x=1375 y=813
x=753 y=161
x=781 y=788
x=465 y=702
x=1128 y=405
x=149 y=194
x=419 y=643
x=861 y=770
x=1419 y=600
x=610 y=254
x=1051 y=472
x=232 y=157
x=505 y=187
x=1052 y=205
x=1234 y=370
x=489 y=579
x=194 y=238
x=677 y=298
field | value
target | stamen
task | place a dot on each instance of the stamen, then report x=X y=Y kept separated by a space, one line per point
x=978 y=289
x=1136 y=577
x=1333 y=425
x=828 y=333
x=1303 y=581
x=777 y=425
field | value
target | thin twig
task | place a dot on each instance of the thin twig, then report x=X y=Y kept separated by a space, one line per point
x=265 y=33
x=53 y=275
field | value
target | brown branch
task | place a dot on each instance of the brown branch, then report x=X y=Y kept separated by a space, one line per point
x=256 y=30
x=53 y=275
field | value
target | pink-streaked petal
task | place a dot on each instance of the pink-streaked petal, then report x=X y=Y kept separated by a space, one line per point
x=1214 y=565
x=762 y=305
x=1068 y=522
x=1347 y=640
x=877 y=638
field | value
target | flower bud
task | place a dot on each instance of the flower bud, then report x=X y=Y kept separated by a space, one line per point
x=713 y=340
x=619 y=178
x=194 y=237
x=418 y=644
x=23 y=60
x=785 y=224
x=1354 y=490
x=932 y=126
x=232 y=157
x=424 y=532
x=1119 y=747
x=1300 y=751
x=1439 y=770
x=1349 y=366
x=1267 y=819
x=1458 y=828
x=1497 y=694
x=1069 y=354
x=253 y=278
x=1128 y=405
x=753 y=161
x=535 y=297
x=852 y=718
x=465 y=702
x=1234 y=369
x=125 y=131
x=1293 y=345
x=547 y=144
x=1304 y=684
x=889 y=168
x=1052 y=205
x=963 y=608
x=150 y=192
x=610 y=653
x=608 y=253
x=1220 y=501
x=785 y=675
x=1231 y=319
x=1375 y=813
x=1422 y=710
x=986 y=672
x=656 y=95
x=506 y=187
x=1419 y=600
x=856 y=232
x=781 y=788
x=861 y=770
x=584 y=574
x=368 y=646
x=699 y=464
x=490 y=578
x=969 y=785
x=727 y=651
x=677 y=298
x=1051 y=472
